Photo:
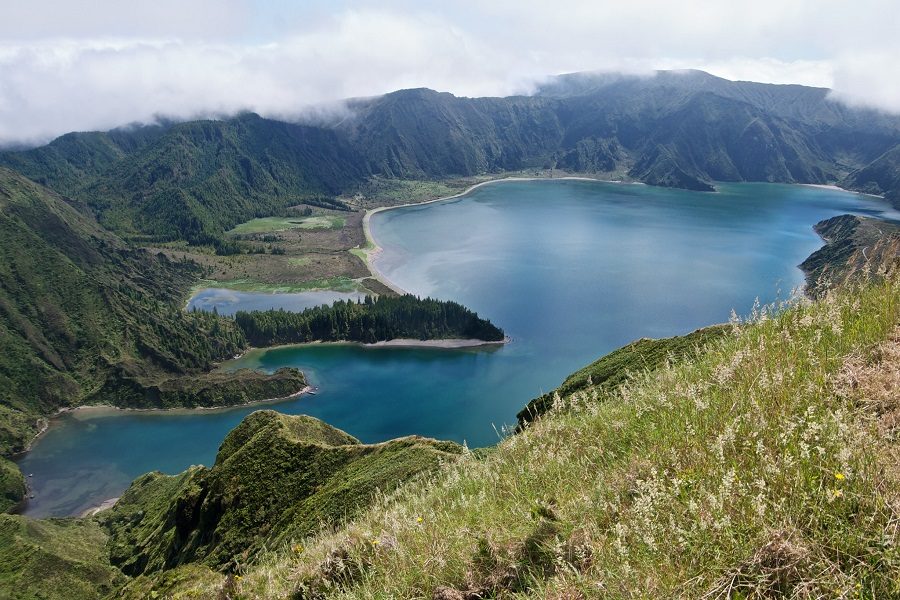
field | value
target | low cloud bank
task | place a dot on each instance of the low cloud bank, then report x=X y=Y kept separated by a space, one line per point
x=49 y=85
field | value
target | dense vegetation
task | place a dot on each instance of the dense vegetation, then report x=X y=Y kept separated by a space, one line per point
x=276 y=478
x=84 y=318
x=374 y=320
x=54 y=559
x=193 y=181
x=12 y=485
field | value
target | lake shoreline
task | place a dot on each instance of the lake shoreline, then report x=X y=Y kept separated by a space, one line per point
x=441 y=344
x=109 y=408
x=95 y=510
x=373 y=249
x=837 y=188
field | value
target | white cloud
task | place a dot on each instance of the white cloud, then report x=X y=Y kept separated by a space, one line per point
x=101 y=65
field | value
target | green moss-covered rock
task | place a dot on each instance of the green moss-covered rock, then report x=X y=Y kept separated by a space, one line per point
x=51 y=559
x=614 y=369
x=12 y=485
x=275 y=477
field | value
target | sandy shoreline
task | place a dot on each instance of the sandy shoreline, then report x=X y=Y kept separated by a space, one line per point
x=108 y=408
x=837 y=188
x=106 y=504
x=444 y=344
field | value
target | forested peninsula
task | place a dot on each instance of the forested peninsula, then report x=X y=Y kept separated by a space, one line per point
x=372 y=320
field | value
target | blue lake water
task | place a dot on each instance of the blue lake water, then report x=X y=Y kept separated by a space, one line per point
x=570 y=269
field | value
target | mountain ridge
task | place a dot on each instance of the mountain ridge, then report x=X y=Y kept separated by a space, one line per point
x=196 y=179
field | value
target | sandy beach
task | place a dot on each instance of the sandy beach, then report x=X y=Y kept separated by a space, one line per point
x=105 y=505
x=107 y=408
x=837 y=188
x=448 y=344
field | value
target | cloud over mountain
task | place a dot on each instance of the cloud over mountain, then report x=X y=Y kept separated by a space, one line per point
x=65 y=67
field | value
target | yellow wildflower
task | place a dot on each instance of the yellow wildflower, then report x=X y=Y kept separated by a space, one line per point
x=419 y=519
x=839 y=476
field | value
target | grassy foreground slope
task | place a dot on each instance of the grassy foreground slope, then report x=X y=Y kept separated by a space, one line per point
x=54 y=559
x=614 y=369
x=766 y=465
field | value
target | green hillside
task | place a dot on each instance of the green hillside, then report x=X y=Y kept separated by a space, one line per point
x=86 y=319
x=276 y=478
x=70 y=161
x=614 y=370
x=856 y=249
x=54 y=559
x=203 y=178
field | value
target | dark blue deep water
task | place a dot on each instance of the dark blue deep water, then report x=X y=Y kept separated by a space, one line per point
x=570 y=269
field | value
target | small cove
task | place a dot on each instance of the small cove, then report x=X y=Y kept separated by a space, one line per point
x=570 y=269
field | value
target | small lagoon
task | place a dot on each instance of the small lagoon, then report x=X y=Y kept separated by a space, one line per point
x=227 y=302
x=570 y=269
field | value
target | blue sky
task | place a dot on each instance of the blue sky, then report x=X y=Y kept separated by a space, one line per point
x=75 y=65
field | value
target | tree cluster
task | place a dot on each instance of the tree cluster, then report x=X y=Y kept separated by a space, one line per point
x=369 y=321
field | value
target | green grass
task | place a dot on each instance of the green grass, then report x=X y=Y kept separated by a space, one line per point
x=52 y=559
x=12 y=485
x=616 y=368
x=362 y=253
x=381 y=191
x=754 y=468
x=338 y=284
x=272 y=224
x=275 y=477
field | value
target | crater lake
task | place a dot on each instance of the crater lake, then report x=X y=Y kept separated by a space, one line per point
x=570 y=269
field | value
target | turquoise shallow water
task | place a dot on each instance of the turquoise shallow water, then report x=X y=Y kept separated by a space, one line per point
x=570 y=269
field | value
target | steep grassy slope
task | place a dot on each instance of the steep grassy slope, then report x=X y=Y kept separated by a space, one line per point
x=764 y=467
x=66 y=163
x=613 y=370
x=205 y=177
x=12 y=485
x=83 y=318
x=276 y=478
x=54 y=559
x=881 y=176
